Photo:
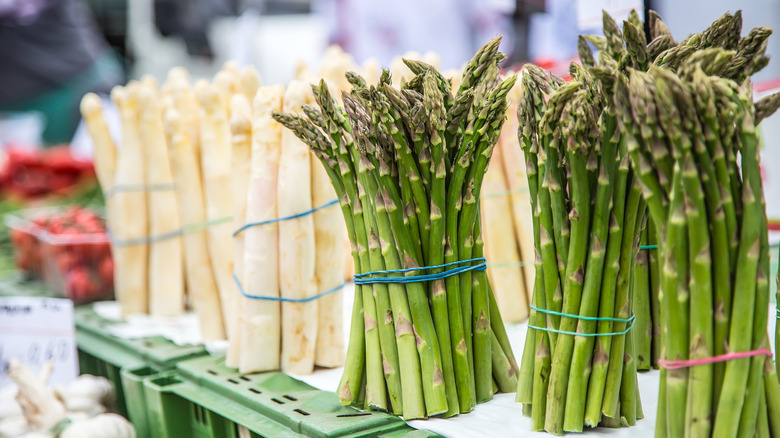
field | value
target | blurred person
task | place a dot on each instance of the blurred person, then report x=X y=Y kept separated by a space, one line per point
x=51 y=54
x=453 y=29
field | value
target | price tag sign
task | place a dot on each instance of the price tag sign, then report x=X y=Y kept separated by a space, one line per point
x=36 y=331
x=589 y=11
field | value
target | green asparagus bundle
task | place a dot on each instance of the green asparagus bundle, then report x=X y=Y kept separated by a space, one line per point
x=632 y=48
x=691 y=138
x=577 y=365
x=408 y=164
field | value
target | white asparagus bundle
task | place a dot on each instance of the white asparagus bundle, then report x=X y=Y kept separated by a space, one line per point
x=296 y=243
x=217 y=184
x=201 y=285
x=329 y=232
x=506 y=276
x=166 y=274
x=241 y=148
x=130 y=267
x=260 y=321
x=517 y=182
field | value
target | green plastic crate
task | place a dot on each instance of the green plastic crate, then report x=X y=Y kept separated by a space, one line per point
x=102 y=354
x=205 y=399
x=15 y=285
x=135 y=397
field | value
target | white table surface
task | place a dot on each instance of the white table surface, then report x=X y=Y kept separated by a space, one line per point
x=502 y=416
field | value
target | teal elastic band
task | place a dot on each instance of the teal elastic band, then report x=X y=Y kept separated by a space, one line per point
x=285 y=218
x=282 y=299
x=648 y=247
x=630 y=320
x=362 y=278
x=120 y=188
x=184 y=230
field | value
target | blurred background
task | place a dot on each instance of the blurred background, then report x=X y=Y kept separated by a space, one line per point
x=53 y=51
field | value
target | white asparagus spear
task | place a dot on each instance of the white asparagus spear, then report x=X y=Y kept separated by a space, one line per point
x=178 y=75
x=201 y=285
x=225 y=81
x=302 y=70
x=506 y=276
x=399 y=71
x=150 y=82
x=249 y=82
x=241 y=146
x=230 y=66
x=455 y=76
x=215 y=159
x=296 y=244
x=103 y=144
x=166 y=273
x=130 y=220
x=334 y=66
x=433 y=59
x=260 y=321
x=105 y=153
x=517 y=183
x=329 y=232
x=371 y=70
x=189 y=112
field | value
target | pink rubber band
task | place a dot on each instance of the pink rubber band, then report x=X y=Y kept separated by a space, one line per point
x=677 y=364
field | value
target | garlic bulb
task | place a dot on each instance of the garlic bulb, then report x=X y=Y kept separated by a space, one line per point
x=102 y=426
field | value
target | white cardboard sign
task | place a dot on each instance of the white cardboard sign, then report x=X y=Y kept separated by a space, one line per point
x=36 y=331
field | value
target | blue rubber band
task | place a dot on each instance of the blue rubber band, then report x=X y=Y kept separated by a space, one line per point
x=282 y=299
x=630 y=320
x=361 y=279
x=285 y=218
x=648 y=247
